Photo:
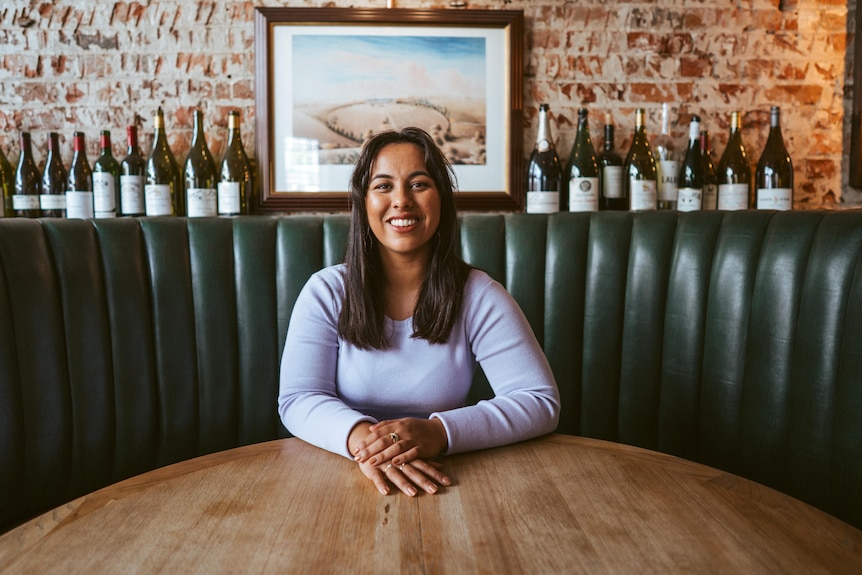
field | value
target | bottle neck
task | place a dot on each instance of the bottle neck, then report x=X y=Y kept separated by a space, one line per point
x=105 y=143
x=198 y=137
x=694 y=133
x=704 y=143
x=543 y=136
x=132 y=138
x=609 y=137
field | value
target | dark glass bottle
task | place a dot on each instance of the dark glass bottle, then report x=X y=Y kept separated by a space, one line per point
x=640 y=172
x=26 y=201
x=7 y=185
x=200 y=174
x=583 y=171
x=235 y=176
x=612 y=196
x=690 y=181
x=163 y=188
x=106 y=180
x=133 y=171
x=710 y=181
x=79 y=184
x=53 y=199
x=734 y=171
x=544 y=174
x=774 y=176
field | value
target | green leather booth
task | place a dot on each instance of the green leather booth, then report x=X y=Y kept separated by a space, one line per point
x=732 y=339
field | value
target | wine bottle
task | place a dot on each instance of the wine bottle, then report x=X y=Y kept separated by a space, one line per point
x=7 y=185
x=710 y=182
x=774 y=176
x=162 y=190
x=734 y=171
x=235 y=176
x=200 y=174
x=53 y=198
x=612 y=195
x=106 y=179
x=79 y=184
x=27 y=199
x=667 y=164
x=544 y=174
x=132 y=177
x=583 y=189
x=690 y=182
x=640 y=169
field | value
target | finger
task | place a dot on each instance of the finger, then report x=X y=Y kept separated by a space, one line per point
x=400 y=481
x=432 y=470
x=419 y=479
x=382 y=449
x=377 y=478
x=406 y=457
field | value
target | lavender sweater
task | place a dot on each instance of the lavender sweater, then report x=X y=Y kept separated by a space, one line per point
x=327 y=385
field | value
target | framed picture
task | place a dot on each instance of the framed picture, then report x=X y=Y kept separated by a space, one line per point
x=327 y=78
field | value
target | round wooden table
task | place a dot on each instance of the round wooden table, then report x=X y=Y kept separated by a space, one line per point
x=558 y=504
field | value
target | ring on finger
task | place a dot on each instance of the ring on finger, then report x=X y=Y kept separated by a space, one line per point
x=394 y=437
x=388 y=467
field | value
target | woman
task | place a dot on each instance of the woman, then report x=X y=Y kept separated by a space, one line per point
x=381 y=351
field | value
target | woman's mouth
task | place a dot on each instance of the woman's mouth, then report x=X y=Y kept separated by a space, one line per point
x=403 y=222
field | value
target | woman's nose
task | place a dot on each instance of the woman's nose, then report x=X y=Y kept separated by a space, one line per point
x=402 y=197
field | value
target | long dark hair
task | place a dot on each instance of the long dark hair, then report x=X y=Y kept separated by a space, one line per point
x=361 y=322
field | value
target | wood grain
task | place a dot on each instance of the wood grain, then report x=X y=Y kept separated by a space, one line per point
x=558 y=504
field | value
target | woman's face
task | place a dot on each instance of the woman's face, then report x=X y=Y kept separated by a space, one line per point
x=402 y=202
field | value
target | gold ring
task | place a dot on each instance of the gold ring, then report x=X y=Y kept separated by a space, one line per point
x=388 y=467
x=394 y=437
x=401 y=467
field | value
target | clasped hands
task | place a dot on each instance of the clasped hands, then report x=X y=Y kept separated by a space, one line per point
x=400 y=451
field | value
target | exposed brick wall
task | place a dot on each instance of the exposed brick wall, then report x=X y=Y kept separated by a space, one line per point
x=71 y=65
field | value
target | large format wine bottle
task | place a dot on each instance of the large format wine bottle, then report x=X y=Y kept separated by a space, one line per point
x=774 y=176
x=7 y=185
x=734 y=171
x=235 y=176
x=162 y=191
x=79 y=188
x=612 y=195
x=690 y=172
x=667 y=164
x=640 y=170
x=710 y=182
x=200 y=174
x=544 y=174
x=132 y=177
x=53 y=199
x=26 y=201
x=106 y=179
x=583 y=170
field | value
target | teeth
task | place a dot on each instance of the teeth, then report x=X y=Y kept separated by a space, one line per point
x=403 y=222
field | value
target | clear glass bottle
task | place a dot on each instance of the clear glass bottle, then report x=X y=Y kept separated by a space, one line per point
x=667 y=164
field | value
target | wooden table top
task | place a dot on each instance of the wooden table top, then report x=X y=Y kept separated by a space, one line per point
x=558 y=504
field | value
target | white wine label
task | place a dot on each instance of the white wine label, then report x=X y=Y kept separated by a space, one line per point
x=79 y=205
x=642 y=195
x=157 y=200
x=228 y=198
x=584 y=194
x=25 y=202
x=733 y=196
x=774 y=199
x=132 y=195
x=52 y=201
x=612 y=184
x=668 y=172
x=104 y=195
x=689 y=200
x=543 y=202
x=201 y=202
x=710 y=196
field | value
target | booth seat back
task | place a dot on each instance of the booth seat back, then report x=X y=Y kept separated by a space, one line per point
x=734 y=339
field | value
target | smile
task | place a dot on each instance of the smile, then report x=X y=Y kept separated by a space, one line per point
x=403 y=222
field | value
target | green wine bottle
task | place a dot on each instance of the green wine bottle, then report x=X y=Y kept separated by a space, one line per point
x=235 y=176
x=133 y=171
x=544 y=174
x=734 y=171
x=690 y=181
x=774 y=176
x=710 y=182
x=106 y=179
x=612 y=196
x=200 y=174
x=53 y=199
x=7 y=185
x=640 y=169
x=162 y=190
x=79 y=183
x=27 y=199
x=583 y=185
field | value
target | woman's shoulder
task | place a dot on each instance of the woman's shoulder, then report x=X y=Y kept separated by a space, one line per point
x=329 y=279
x=479 y=284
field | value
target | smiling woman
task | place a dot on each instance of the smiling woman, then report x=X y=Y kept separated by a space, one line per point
x=381 y=351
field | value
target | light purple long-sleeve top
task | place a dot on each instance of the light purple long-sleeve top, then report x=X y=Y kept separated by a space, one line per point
x=327 y=385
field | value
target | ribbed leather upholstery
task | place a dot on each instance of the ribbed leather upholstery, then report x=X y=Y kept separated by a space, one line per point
x=734 y=339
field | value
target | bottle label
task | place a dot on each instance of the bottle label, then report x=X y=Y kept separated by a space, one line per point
x=201 y=202
x=25 y=202
x=612 y=186
x=52 y=201
x=104 y=195
x=689 y=200
x=543 y=202
x=774 y=199
x=132 y=195
x=584 y=194
x=710 y=195
x=668 y=172
x=643 y=194
x=157 y=200
x=79 y=205
x=733 y=196
x=228 y=198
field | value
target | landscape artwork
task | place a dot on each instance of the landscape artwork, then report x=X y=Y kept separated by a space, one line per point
x=348 y=87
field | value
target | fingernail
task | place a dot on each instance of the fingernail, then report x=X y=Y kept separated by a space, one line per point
x=432 y=488
x=411 y=492
x=445 y=481
x=372 y=461
x=384 y=491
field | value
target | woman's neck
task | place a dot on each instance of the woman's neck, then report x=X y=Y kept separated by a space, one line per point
x=403 y=282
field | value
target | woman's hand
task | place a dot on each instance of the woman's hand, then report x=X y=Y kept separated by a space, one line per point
x=401 y=441
x=407 y=477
